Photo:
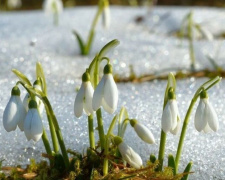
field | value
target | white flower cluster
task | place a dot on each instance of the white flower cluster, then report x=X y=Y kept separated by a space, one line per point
x=105 y=94
x=24 y=115
x=205 y=116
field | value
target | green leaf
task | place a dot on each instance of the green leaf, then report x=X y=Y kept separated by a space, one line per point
x=112 y=44
x=112 y=125
x=40 y=74
x=89 y=42
x=172 y=164
x=91 y=70
x=170 y=83
x=187 y=170
x=22 y=77
x=121 y=124
x=80 y=42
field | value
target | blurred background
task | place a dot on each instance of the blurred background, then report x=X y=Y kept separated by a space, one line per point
x=37 y=4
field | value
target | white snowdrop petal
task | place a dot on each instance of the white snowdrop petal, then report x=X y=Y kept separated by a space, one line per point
x=27 y=125
x=88 y=98
x=21 y=113
x=174 y=113
x=26 y=101
x=177 y=129
x=200 y=122
x=166 y=118
x=36 y=126
x=110 y=92
x=98 y=95
x=207 y=129
x=106 y=107
x=10 y=115
x=130 y=156
x=211 y=117
x=144 y=133
x=79 y=101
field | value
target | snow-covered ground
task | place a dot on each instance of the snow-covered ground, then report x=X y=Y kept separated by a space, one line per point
x=28 y=37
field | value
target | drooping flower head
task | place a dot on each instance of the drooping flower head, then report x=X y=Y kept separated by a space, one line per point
x=170 y=114
x=27 y=98
x=53 y=6
x=205 y=116
x=106 y=93
x=14 y=4
x=84 y=97
x=128 y=153
x=14 y=113
x=33 y=127
x=143 y=132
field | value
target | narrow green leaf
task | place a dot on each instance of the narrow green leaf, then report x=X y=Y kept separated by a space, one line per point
x=111 y=127
x=89 y=42
x=22 y=77
x=152 y=158
x=112 y=44
x=187 y=170
x=171 y=163
x=40 y=74
x=170 y=83
x=91 y=70
x=80 y=42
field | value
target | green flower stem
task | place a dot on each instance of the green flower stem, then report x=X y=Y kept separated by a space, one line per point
x=92 y=30
x=46 y=143
x=171 y=83
x=55 y=15
x=99 y=112
x=106 y=146
x=91 y=131
x=106 y=161
x=190 y=38
x=53 y=133
x=57 y=130
x=183 y=132
x=161 y=149
x=210 y=84
x=100 y=128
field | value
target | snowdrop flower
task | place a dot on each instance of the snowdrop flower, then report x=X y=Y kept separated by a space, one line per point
x=106 y=93
x=26 y=100
x=53 y=6
x=207 y=34
x=128 y=153
x=13 y=4
x=33 y=127
x=143 y=132
x=106 y=15
x=170 y=114
x=205 y=117
x=14 y=113
x=84 y=96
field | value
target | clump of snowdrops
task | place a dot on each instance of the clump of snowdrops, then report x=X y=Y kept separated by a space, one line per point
x=110 y=156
